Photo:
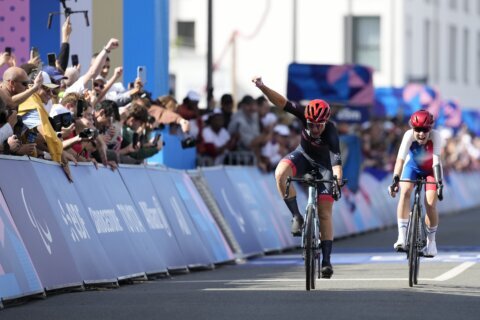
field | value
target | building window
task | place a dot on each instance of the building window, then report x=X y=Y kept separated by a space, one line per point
x=466 y=46
x=366 y=41
x=452 y=53
x=186 y=34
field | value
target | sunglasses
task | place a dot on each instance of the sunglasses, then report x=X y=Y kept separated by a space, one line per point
x=421 y=129
x=23 y=83
x=98 y=85
x=315 y=125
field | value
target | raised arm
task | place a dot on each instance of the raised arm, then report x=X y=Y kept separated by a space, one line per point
x=276 y=98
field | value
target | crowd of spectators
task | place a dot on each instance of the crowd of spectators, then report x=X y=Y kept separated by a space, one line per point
x=57 y=113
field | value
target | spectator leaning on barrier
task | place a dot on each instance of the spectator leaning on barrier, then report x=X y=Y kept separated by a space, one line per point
x=36 y=118
x=133 y=152
x=319 y=142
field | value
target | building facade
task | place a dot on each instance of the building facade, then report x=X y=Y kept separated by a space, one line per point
x=436 y=42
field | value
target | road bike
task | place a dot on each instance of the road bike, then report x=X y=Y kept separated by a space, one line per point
x=416 y=232
x=311 y=228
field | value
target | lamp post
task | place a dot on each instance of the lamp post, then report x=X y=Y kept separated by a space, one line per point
x=210 y=101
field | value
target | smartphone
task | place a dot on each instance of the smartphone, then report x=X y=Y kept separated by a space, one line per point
x=8 y=50
x=89 y=85
x=34 y=52
x=52 y=58
x=142 y=73
x=74 y=60
x=135 y=139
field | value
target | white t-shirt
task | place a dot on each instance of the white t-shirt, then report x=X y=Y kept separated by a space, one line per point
x=217 y=139
x=77 y=86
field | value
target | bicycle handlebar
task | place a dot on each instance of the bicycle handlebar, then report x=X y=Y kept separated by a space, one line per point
x=418 y=181
x=312 y=181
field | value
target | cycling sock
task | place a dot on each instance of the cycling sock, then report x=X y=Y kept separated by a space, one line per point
x=402 y=228
x=431 y=231
x=292 y=205
x=326 y=251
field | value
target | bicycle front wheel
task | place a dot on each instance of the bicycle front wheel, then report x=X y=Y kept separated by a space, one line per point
x=309 y=250
x=412 y=247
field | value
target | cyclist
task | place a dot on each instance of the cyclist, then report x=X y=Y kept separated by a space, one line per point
x=319 y=150
x=418 y=157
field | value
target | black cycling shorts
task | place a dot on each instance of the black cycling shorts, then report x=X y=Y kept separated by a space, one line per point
x=301 y=165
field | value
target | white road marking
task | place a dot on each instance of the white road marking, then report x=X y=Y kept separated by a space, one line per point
x=455 y=271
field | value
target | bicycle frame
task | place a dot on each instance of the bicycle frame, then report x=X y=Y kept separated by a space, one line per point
x=311 y=230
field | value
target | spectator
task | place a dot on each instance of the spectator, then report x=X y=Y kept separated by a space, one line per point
x=217 y=141
x=275 y=149
x=226 y=105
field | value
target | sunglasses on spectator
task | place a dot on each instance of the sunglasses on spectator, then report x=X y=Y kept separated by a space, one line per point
x=316 y=125
x=23 y=83
x=421 y=129
x=99 y=85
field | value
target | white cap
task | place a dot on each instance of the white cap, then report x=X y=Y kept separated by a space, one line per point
x=281 y=129
x=47 y=82
x=193 y=96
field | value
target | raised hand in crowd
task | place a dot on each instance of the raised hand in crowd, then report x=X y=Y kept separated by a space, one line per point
x=112 y=44
x=7 y=59
x=35 y=61
x=66 y=30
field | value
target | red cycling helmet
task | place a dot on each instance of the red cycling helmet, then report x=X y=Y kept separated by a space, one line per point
x=422 y=118
x=317 y=111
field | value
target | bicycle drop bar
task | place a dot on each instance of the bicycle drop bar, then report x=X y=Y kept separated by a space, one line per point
x=310 y=180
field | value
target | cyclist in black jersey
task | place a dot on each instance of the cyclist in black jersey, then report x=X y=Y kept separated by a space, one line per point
x=319 y=149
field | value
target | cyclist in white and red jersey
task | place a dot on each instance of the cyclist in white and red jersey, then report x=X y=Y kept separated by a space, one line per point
x=319 y=150
x=418 y=156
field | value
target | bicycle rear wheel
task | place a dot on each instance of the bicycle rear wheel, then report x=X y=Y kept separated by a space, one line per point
x=309 y=252
x=413 y=258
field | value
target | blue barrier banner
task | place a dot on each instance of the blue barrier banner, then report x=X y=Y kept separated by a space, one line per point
x=207 y=227
x=95 y=188
x=153 y=215
x=25 y=196
x=233 y=210
x=281 y=216
x=190 y=242
x=260 y=212
x=17 y=274
x=72 y=217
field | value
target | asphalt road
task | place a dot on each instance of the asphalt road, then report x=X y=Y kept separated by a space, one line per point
x=370 y=282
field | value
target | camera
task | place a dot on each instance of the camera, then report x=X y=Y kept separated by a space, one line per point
x=62 y=120
x=188 y=142
x=88 y=133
